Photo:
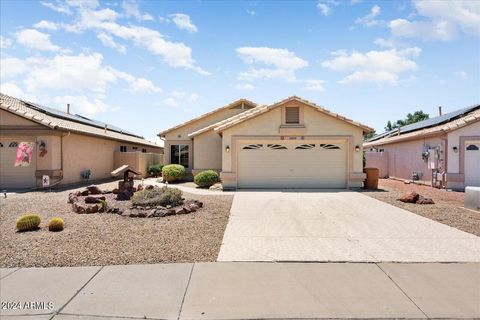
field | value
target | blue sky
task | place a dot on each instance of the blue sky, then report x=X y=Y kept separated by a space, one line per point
x=148 y=65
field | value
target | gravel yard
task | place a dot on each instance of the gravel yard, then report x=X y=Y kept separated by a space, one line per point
x=107 y=239
x=448 y=208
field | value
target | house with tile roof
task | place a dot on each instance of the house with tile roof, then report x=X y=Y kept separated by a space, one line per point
x=443 y=151
x=293 y=143
x=37 y=141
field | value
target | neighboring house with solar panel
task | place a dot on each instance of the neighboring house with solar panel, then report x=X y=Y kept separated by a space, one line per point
x=443 y=151
x=37 y=141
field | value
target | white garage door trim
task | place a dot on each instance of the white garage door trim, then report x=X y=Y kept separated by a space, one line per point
x=292 y=164
x=472 y=163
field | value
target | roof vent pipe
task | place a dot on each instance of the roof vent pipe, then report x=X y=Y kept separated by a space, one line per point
x=68 y=108
x=440 y=110
x=105 y=128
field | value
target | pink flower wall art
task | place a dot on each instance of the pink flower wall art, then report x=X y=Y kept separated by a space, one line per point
x=24 y=154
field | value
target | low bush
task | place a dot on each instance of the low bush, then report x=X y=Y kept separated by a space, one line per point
x=28 y=222
x=56 y=224
x=206 y=178
x=155 y=170
x=158 y=197
x=173 y=172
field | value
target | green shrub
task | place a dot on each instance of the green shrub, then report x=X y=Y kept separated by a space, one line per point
x=173 y=172
x=158 y=197
x=56 y=224
x=206 y=178
x=155 y=170
x=28 y=222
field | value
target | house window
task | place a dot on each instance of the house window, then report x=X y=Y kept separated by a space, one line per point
x=329 y=146
x=292 y=115
x=305 y=146
x=179 y=154
x=134 y=148
x=253 y=147
x=144 y=150
x=276 y=147
x=1 y=145
x=123 y=148
x=13 y=144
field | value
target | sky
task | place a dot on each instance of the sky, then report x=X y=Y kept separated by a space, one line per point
x=146 y=66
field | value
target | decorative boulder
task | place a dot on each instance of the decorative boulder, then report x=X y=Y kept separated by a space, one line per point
x=92 y=209
x=72 y=197
x=93 y=189
x=180 y=211
x=410 y=197
x=78 y=207
x=94 y=199
x=423 y=200
x=85 y=193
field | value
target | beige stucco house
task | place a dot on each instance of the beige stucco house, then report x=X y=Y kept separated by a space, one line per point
x=293 y=143
x=37 y=141
x=443 y=151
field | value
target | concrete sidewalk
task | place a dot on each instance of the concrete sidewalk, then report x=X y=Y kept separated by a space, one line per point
x=224 y=290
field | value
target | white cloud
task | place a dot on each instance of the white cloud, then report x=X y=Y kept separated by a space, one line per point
x=5 y=43
x=462 y=74
x=369 y=20
x=144 y=85
x=251 y=12
x=315 y=85
x=444 y=20
x=280 y=63
x=174 y=54
x=59 y=7
x=325 y=6
x=157 y=140
x=373 y=66
x=11 y=67
x=83 y=105
x=33 y=39
x=245 y=86
x=183 y=22
x=47 y=25
x=131 y=10
x=387 y=43
x=108 y=41
x=12 y=89
x=177 y=98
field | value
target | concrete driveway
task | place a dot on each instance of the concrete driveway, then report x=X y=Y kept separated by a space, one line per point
x=337 y=226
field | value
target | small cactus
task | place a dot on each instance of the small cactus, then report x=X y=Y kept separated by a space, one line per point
x=56 y=224
x=28 y=222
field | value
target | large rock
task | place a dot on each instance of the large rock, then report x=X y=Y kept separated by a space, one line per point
x=78 y=207
x=93 y=189
x=84 y=193
x=216 y=186
x=410 y=197
x=94 y=199
x=180 y=210
x=423 y=200
x=72 y=197
x=124 y=195
x=92 y=208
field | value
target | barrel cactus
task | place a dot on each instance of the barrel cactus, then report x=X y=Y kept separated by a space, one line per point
x=56 y=224
x=28 y=222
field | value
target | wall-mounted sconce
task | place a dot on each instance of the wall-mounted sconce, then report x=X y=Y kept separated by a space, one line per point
x=455 y=149
x=227 y=148
x=357 y=148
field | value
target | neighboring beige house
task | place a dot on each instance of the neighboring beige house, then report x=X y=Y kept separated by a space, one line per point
x=293 y=143
x=443 y=151
x=64 y=146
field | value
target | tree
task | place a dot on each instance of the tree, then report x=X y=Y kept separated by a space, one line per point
x=369 y=135
x=411 y=118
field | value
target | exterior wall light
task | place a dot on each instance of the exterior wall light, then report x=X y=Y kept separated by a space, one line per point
x=357 y=148
x=455 y=149
x=227 y=148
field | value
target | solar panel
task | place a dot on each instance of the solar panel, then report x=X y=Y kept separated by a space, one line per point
x=427 y=123
x=78 y=118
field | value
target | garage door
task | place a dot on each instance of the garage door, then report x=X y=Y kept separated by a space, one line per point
x=472 y=163
x=285 y=164
x=11 y=176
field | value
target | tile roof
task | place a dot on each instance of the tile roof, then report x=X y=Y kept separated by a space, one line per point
x=56 y=119
x=444 y=126
x=239 y=118
x=232 y=104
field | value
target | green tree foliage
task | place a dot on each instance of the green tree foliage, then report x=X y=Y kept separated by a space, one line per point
x=411 y=118
x=369 y=135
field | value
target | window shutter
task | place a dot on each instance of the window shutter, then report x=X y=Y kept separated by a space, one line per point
x=292 y=115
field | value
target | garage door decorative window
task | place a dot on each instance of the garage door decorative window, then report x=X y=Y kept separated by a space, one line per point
x=472 y=147
x=276 y=147
x=305 y=146
x=253 y=147
x=329 y=146
x=13 y=144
